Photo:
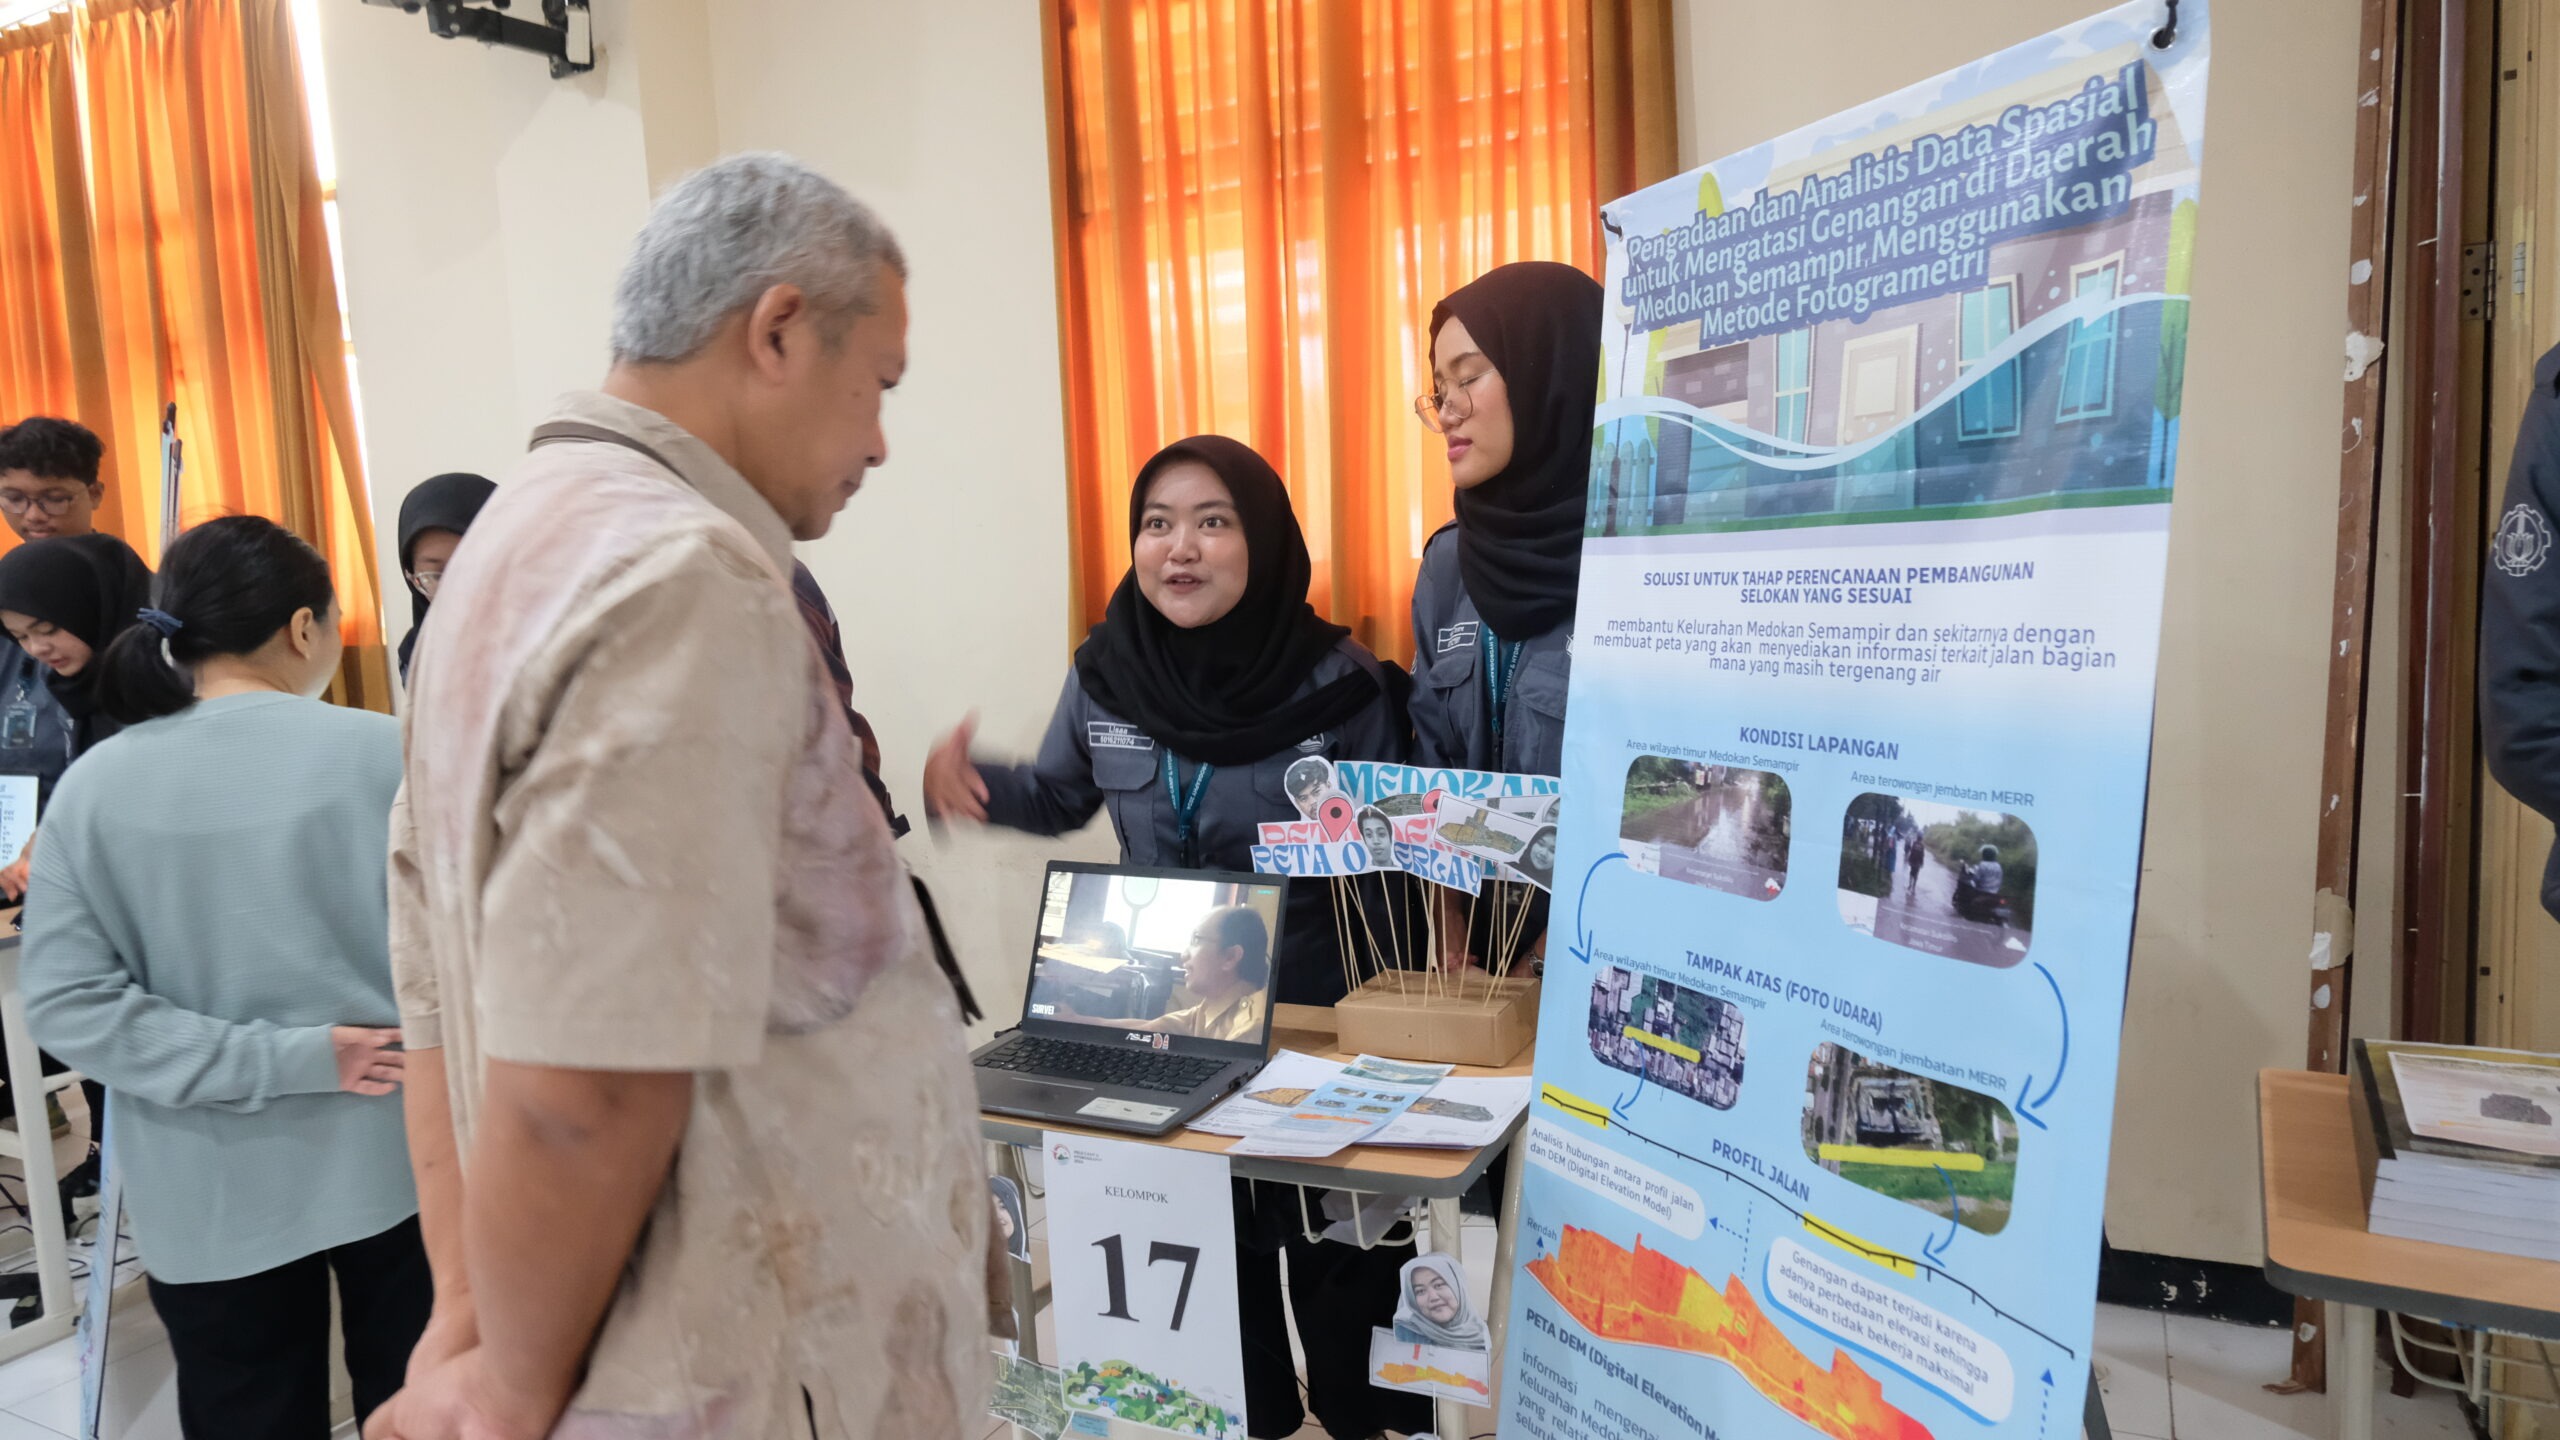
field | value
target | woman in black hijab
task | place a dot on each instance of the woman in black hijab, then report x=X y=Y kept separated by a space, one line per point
x=1207 y=680
x=432 y=520
x=62 y=600
x=1515 y=376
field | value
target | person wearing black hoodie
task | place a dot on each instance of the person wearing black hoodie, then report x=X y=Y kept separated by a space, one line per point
x=432 y=520
x=1515 y=377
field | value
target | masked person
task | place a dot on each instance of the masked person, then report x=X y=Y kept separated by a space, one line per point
x=1207 y=680
x=1515 y=370
x=432 y=520
x=209 y=934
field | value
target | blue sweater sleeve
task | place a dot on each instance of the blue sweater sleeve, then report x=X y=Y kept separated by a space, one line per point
x=1055 y=793
x=84 y=1005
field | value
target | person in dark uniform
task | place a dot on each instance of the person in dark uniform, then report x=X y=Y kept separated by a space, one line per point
x=1515 y=373
x=1208 y=678
x=2520 y=619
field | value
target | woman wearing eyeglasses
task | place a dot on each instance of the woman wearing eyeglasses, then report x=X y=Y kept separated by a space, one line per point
x=1515 y=372
x=432 y=520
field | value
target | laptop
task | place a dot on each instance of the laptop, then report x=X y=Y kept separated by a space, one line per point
x=1113 y=1035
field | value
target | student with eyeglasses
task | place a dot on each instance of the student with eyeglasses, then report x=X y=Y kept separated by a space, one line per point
x=432 y=520
x=49 y=487
x=1515 y=371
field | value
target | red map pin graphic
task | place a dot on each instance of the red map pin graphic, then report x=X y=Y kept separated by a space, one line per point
x=1337 y=817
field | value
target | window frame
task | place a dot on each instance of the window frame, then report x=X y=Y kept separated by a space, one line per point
x=1780 y=392
x=1987 y=426
x=2086 y=336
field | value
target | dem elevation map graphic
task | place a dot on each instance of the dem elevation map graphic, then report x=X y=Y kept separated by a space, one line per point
x=1646 y=1297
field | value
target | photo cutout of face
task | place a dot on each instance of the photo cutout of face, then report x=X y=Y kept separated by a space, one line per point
x=1380 y=833
x=1009 y=1218
x=1309 y=781
x=1537 y=863
x=1432 y=1308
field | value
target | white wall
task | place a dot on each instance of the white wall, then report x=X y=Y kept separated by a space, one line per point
x=486 y=209
x=950 y=568
x=481 y=205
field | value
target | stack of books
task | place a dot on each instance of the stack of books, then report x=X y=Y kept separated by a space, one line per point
x=2459 y=1145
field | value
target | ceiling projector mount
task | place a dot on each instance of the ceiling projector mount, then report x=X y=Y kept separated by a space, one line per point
x=564 y=35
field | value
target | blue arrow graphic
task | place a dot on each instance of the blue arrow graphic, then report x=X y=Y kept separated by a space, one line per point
x=1937 y=1249
x=1582 y=932
x=2027 y=1107
x=1620 y=1109
x=2044 y=1414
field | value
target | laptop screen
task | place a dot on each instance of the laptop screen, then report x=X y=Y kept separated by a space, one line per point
x=1156 y=957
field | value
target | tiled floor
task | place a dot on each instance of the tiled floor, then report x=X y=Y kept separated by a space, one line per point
x=2175 y=1378
x=2164 y=1379
x=40 y=1392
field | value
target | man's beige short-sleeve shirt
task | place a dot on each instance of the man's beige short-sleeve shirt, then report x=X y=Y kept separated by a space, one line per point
x=634 y=836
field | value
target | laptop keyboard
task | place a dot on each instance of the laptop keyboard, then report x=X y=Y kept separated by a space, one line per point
x=1039 y=1055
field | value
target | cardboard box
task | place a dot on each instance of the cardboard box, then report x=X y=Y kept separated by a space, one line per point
x=1469 y=1019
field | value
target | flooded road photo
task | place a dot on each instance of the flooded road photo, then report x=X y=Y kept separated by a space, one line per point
x=1713 y=826
x=1939 y=879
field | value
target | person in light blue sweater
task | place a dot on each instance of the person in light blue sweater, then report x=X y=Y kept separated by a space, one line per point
x=208 y=933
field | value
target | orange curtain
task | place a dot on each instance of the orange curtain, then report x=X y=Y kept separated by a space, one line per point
x=1258 y=203
x=217 y=291
x=51 y=362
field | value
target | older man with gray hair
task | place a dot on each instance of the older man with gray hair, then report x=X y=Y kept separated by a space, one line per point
x=688 y=1102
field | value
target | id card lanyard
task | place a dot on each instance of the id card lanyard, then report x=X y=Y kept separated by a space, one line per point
x=1501 y=664
x=1186 y=806
x=18 y=719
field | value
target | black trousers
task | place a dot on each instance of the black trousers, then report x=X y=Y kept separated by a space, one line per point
x=253 y=1353
x=1338 y=1293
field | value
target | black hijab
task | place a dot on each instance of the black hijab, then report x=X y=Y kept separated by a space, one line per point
x=91 y=585
x=447 y=502
x=1520 y=532
x=1222 y=694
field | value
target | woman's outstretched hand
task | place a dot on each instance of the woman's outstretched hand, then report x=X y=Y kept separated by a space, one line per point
x=951 y=784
